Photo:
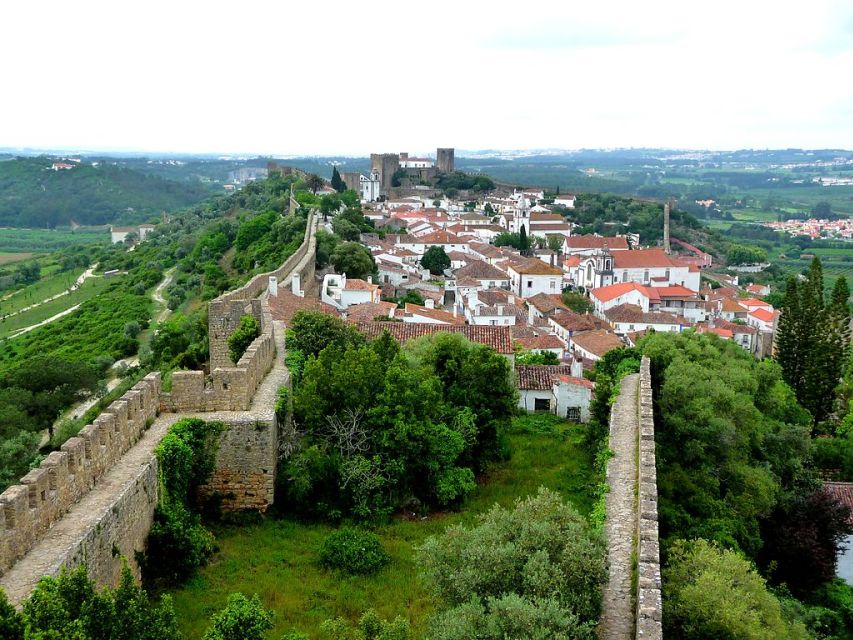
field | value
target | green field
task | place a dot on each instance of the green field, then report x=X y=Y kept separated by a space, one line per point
x=8 y=258
x=89 y=289
x=45 y=240
x=44 y=288
x=278 y=558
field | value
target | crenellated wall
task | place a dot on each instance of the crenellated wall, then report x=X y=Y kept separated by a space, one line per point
x=649 y=597
x=45 y=494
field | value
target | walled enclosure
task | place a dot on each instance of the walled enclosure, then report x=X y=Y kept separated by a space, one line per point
x=649 y=597
x=108 y=473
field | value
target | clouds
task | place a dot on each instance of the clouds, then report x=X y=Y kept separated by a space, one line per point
x=346 y=77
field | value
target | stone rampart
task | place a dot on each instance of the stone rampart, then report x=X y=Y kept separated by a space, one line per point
x=649 y=598
x=225 y=311
x=45 y=494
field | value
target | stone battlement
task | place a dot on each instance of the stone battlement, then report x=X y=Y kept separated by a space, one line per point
x=649 y=597
x=45 y=494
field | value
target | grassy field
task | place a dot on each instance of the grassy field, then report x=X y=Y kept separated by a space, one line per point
x=44 y=288
x=277 y=558
x=7 y=258
x=89 y=289
x=45 y=240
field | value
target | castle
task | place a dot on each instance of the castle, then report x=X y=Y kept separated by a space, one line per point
x=391 y=170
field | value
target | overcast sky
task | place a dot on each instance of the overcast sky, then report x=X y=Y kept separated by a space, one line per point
x=327 y=77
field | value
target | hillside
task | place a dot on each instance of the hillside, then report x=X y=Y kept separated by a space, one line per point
x=34 y=195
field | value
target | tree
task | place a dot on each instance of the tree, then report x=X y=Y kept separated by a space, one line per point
x=329 y=204
x=241 y=619
x=539 y=558
x=506 y=239
x=555 y=243
x=789 y=350
x=353 y=259
x=577 y=302
x=714 y=593
x=523 y=242
x=345 y=229
x=436 y=260
x=242 y=337
x=11 y=622
x=314 y=183
x=338 y=183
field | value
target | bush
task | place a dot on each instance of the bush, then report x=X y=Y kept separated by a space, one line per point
x=177 y=544
x=353 y=551
x=241 y=619
x=242 y=337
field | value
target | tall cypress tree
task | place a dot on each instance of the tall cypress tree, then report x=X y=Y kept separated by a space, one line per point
x=818 y=382
x=837 y=333
x=338 y=183
x=523 y=242
x=787 y=347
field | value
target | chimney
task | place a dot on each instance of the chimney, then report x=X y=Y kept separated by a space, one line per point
x=510 y=299
x=273 y=286
x=500 y=309
x=296 y=285
x=429 y=303
x=667 y=209
x=369 y=279
x=577 y=368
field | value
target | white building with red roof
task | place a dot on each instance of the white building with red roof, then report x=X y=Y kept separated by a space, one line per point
x=558 y=389
x=534 y=276
x=340 y=292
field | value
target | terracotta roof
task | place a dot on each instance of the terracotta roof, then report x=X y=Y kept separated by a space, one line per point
x=732 y=305
x=753 y=302
x=542 y=217
x=559 y=226
x=634 y=313
x=572 y=261
x=496 y=337
x=534 y=343
x=496 y=296
x=597 y=342
x=535 y=267
x=723 y=333
x=459 y=255
x=368 y=311
x=539 y=377
x=734 y=327
x=571 y=321
x=596 y=242
x=547 y=302
x=613 y=291
x=675 y=291
x=480 y=270
x=642 y=258
x=435 y=314
x=580 y=382
x=763 y=314
x=355 y=284
x=285 y=305
x=439 y=237
x=843 y=492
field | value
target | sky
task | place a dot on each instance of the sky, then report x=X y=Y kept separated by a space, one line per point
x=350 y=78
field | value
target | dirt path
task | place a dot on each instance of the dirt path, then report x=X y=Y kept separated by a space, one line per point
x=617 y=616
x=88 y=273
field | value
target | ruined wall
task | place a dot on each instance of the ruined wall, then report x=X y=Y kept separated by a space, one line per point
x=245 y=465
x=649 y=599
x=445 y=160
x=45 y=494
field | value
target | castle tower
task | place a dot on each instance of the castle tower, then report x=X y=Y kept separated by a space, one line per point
x=385 y=164
x=667 y=208
x=445 y=161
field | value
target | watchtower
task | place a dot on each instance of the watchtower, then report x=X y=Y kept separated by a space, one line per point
x=445 y=160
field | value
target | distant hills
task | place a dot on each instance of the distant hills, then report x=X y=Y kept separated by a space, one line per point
x=50 y=191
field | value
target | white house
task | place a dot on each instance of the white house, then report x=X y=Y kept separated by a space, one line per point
x=567 y=200
x=534 y=276
x=492 y=310
x=627 y=318
x=554 y=389
x=592 y=345
x=488 y=276
x=341 y=292
x=604 y=298
x=761 y=319
x=428 y=314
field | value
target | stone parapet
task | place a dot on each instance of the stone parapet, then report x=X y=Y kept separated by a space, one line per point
x=45 y=494
x=649 y=613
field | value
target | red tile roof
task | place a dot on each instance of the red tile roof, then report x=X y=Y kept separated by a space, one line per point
x=535 y=267
x=539 y=377
x=354 y=284
x=547 y=302
x=435 y=314
x=498 y=338
x=640 y=258
x=571 y=321
x=763 y=314
x=368 y=311
x=596 y=242
x=479 y=270
x=597 y=342
x=535 y=343
x=613 y=291
x=286 y=304
x=633 y=313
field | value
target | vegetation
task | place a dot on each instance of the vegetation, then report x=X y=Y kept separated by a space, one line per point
x=242 y=337
x=538 y=566
x=353 y=259
x=242 y=619
x=353 y=551
x=462 y=181
x=32 y=195
x=577 y=302
x=385 y=426
x=744 y=254
x=436 y=260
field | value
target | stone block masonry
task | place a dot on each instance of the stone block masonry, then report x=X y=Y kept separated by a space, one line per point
x=649 y=614
x=45 y=494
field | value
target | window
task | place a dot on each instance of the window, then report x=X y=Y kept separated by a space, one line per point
x=493 y=322
x=542 y=404
x=553 y=284
x=666 y=273
x=530 y=284
x=573 y=414
x=625 y=275
x=646 y=275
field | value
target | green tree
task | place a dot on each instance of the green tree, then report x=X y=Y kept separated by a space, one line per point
x=314 y=183
x=789 y=349
x=338 y=183
x=242 y=619
x=714 y=593
x=312 y=331
x=436 y=260
x=523 y=241
x=577 y=302
x=11 y=622
x=541 y=551
x=353 y=259
x=555 y=243
x=242 y=337
x=370 y=627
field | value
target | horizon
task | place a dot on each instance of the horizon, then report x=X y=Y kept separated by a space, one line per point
x=284 y=80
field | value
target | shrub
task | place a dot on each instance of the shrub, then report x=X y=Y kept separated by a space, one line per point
x=242 y=337
x=353 y=551
x=370 y=627
x=177 y=544
x=242 y=619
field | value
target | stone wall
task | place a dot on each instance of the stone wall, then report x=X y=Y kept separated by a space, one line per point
x=246 y=462
x=649 y=599
x=45 y=494
x=225 y=311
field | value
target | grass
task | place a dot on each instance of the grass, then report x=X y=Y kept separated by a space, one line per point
x=7 y=258
x=38 y=291
x=277 y=558
x=89 y=289
x=44 y=240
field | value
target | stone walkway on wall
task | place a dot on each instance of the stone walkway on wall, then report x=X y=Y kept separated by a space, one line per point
x=53 y=549
x=617 y=618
